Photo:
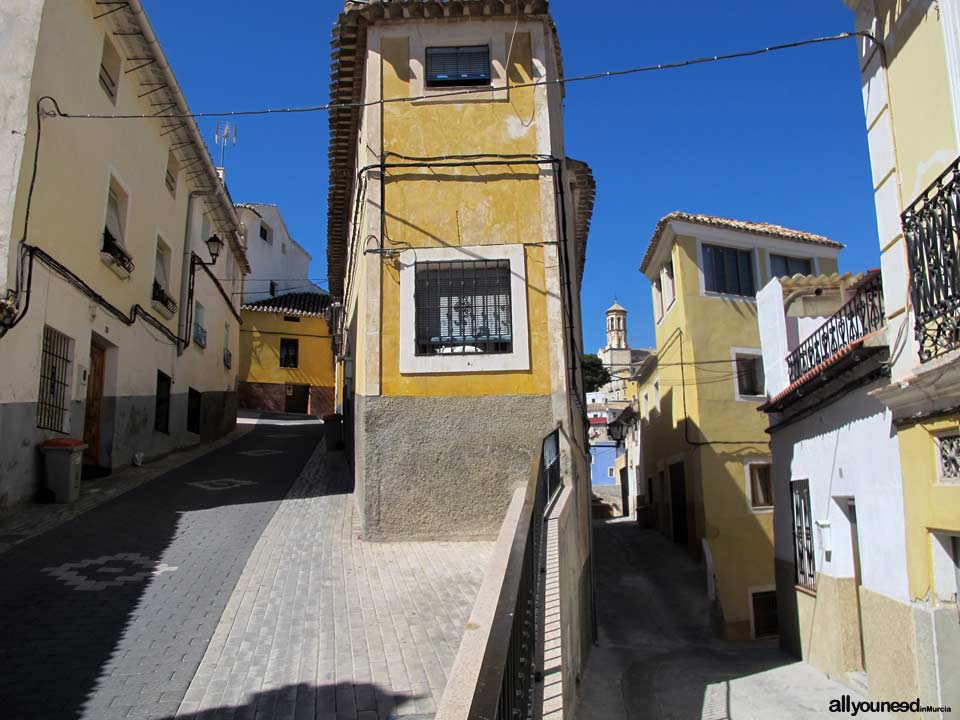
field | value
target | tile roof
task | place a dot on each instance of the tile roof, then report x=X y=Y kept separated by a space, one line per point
x=347 y=70
x=756 y=228
x=308 y=304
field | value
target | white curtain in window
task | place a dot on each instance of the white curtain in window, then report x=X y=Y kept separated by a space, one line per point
x=114 y=223
x=161 y=273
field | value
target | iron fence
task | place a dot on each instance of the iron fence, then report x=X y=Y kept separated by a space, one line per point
x=931 y=226
x=860 y=316
x=505 y=688
x=163 y=297
x=115 y=249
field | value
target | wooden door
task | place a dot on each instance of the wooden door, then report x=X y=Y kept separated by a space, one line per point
x=297 y=398
x=94 y=406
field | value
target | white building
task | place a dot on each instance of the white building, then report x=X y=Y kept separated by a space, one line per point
x=278 y=263
x=840 y=550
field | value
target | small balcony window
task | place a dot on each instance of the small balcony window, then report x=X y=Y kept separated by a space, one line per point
x=113 y=245
x=199 y=331
x=458 y=66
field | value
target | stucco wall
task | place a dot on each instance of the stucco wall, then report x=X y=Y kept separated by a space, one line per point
x=284 y=260
x=443 y=467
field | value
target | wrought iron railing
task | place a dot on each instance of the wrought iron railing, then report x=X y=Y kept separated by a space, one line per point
x=860 y=316
x=505 y=687
x=161 y=296
x=199 y=335
x=931 y=226
x=112 y=247
x=227 y=358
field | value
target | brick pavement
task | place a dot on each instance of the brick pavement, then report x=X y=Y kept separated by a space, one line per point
x=109 y=614
x=324 y=625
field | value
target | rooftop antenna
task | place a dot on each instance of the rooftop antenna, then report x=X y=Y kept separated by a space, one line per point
x=225 y=133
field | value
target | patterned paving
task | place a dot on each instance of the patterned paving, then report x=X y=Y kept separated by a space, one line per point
x=324 y=625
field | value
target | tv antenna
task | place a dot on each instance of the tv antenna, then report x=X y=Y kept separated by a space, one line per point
x=225 y=133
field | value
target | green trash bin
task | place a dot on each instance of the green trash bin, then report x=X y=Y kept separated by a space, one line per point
x=63 y=459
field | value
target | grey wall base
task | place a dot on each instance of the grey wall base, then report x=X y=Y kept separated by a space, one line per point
x=443 y=467
x=127 y=427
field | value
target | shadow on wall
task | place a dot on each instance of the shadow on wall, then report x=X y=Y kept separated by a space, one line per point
x=315 y=701
x=130 y=592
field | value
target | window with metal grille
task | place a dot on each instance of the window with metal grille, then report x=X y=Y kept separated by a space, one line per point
x=468 y=65
x=161 y=419
x=765 y=622
x=806 y=569
x=463 y=307
x=783 y=266
x=55 y=363
x=949 y=447
x=750 y=379
x=761 y=486
x=728 y=270
x=289 y=352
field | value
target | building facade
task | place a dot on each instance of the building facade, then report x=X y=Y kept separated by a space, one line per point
x=911 y=96
x=114 y=327
x=838 y=493
x=456 y=245
x=286 y=355
x=278 y=263
x=705 y=453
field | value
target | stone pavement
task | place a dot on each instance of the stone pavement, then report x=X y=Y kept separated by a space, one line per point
x=657 y=655
x=324 y=625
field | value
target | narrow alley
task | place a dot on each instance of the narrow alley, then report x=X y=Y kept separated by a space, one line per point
x=657 y=655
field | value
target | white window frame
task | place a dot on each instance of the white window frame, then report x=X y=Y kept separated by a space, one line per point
x=517 y=359
x=748 y=484
x=163 y=248
x=646 y=406
x=748 y=352
x=656 y=393
x=611 y=471
x=672 y=275
x=657 y=286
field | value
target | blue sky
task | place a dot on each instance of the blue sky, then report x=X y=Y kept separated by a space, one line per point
x=777 y=138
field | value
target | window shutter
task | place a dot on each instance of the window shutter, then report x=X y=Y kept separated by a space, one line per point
x=458 y=65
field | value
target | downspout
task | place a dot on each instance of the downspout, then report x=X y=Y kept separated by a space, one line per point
x=186 y=277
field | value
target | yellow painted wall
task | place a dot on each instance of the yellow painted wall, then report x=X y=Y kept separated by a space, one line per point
x=260 y=350
x=928 y=503
x=449 y=207
x=740 y=540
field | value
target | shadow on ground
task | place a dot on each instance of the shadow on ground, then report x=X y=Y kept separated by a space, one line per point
x=114 y=609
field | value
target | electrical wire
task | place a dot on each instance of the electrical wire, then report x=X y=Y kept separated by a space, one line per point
x=470 y=91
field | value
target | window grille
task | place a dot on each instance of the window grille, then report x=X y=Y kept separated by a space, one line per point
x=463 y=307
x=806 y=574
x=783 y=266
x=949 y=446
x=289 y=352
x=750 y=380
x=728 y=270
x=161 y=421
x=468 y=65
x=54 y=380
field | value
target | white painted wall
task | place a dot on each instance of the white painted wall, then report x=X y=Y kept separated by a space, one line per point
x=847 y=449
x=267 y=260
x=773 y=337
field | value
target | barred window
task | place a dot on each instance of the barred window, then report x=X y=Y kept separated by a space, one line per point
x=949 y=447
x=469 y=65
x=55 y=365
x=806 y=574
x=463 y=307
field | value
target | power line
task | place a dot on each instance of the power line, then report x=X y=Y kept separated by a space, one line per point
x=470 y=91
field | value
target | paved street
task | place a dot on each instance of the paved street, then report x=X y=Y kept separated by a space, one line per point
x=227 y=565
x=657 y=655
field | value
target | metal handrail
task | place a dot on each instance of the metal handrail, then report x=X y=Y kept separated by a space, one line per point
x=505 y=686
x=931 y=226
x=860 y=316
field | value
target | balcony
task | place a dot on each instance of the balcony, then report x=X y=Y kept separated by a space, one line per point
x=931 y=226
x=162 y=301
x=861 y=315
x=114 y=254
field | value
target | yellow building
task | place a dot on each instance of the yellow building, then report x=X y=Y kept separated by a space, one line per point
x=114 y=327
x=706 y=459
x=911 y=94
x=286 y=355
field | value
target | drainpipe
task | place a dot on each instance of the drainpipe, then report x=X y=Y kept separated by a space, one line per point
x=186 y=276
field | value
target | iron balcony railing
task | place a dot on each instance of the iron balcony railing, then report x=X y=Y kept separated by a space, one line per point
x=161 y=296
x=505 y=686
x=931 y=226
x=199 y=335
x=227 y=359
x=860 y=316
x=112 y=247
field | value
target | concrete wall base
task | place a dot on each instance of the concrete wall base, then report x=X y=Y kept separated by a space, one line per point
x=443 y=467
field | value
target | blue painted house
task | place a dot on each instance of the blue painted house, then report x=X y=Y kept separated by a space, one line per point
x=603 y=458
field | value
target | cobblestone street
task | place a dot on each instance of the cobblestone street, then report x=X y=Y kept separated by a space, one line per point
x=234 y=584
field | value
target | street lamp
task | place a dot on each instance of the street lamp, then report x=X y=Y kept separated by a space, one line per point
x=214 y=246
x=616 y=431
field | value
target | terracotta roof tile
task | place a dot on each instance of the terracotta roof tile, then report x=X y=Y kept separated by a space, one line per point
x=309 y=304
x=730 y=224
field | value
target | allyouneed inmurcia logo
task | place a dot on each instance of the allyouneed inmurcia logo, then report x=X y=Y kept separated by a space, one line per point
x=846 y=704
